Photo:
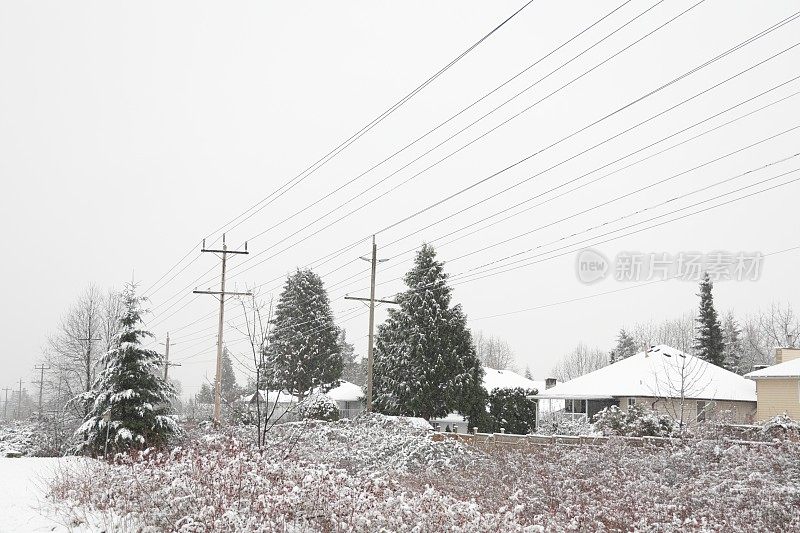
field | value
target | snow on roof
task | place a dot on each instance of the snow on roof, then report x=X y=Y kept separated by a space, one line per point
x=788 y=369
x=507 y=379
x=272 y=396
x=345 y=392
x=657 y=373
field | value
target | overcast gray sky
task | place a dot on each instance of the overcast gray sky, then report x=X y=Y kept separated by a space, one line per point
x=129 y=131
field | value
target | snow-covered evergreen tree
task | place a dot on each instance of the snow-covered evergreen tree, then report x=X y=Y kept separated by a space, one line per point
x=130 y=391
x=734 y=346
x=425 y=360
x=206 y=394
x=708 y=342
x=229 y=390
x=625 y=347
x=528 y=373
x=303 y=349
x=512 y=411
x=353 y=369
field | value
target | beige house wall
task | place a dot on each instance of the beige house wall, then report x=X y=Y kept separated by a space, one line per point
x=741 y=412
x=778 y=396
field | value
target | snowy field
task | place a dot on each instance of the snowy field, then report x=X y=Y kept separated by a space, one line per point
x=379 y=474
x=22 y=491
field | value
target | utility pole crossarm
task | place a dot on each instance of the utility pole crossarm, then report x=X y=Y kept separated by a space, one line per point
x=223 y=293
x=370 y=300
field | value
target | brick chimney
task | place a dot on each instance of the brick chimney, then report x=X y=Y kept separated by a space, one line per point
x=549 y=383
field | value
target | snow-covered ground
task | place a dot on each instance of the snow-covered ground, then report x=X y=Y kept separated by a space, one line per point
x=22 y=488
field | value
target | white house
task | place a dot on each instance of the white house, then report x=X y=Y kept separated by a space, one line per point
x=665 y=379
x=280 y=405
x=349 y=397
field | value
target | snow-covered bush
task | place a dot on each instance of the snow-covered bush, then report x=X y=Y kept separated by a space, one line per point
x=781 y=426
x=45 y=438
x=637 y=421
x=319 y=407
x=558 y=424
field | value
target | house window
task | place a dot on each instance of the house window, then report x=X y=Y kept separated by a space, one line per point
x=575 y=406
x=701 y=410
x=631 y=402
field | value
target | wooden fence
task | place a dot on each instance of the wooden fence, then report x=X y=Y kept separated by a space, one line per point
x=507 y=440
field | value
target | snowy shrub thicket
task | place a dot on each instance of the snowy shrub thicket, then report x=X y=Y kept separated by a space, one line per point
x=557 y=424
x=637 y=421
x=319 y=407
x=381 y=474
x=47 y=438
x=781 y=426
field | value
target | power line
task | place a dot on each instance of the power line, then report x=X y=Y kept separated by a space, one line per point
x=394 y=188
x=626 y=106
x=308 y=171
x=647 y=146
x=448 y=138
x=701 y=66
x=560 y=185
x=642 y=229
x=592 y=296
x=454 y=116
x=639 y=211
x=288 y=185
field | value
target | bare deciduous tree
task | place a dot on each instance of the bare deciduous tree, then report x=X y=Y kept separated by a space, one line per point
x=88 y=329
x=678 y=333
x=680 y=377
x=73 y=352
x=494 y=352
x=580 y=361
x=778 y=326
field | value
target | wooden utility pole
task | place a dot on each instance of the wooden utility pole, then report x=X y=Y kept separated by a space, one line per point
x=5 y=404
x=370 y=346
x=41 y=369
x=221 y=294
x=89 y=339
x=19 y=400
x=167 y=364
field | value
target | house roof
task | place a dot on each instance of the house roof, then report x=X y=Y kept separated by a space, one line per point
x=272 y=395
x=788 y=369
x=657 y=373
x=345 y=392
x=507 y=379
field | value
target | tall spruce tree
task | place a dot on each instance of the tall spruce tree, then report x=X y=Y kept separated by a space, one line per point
x=130 y=391
x=528 y=373
x=625 y=347
x=734 y=347
x=353 y=369
x=228 y=388
x=708 y=342
x=425 y=360
x=303 y=349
